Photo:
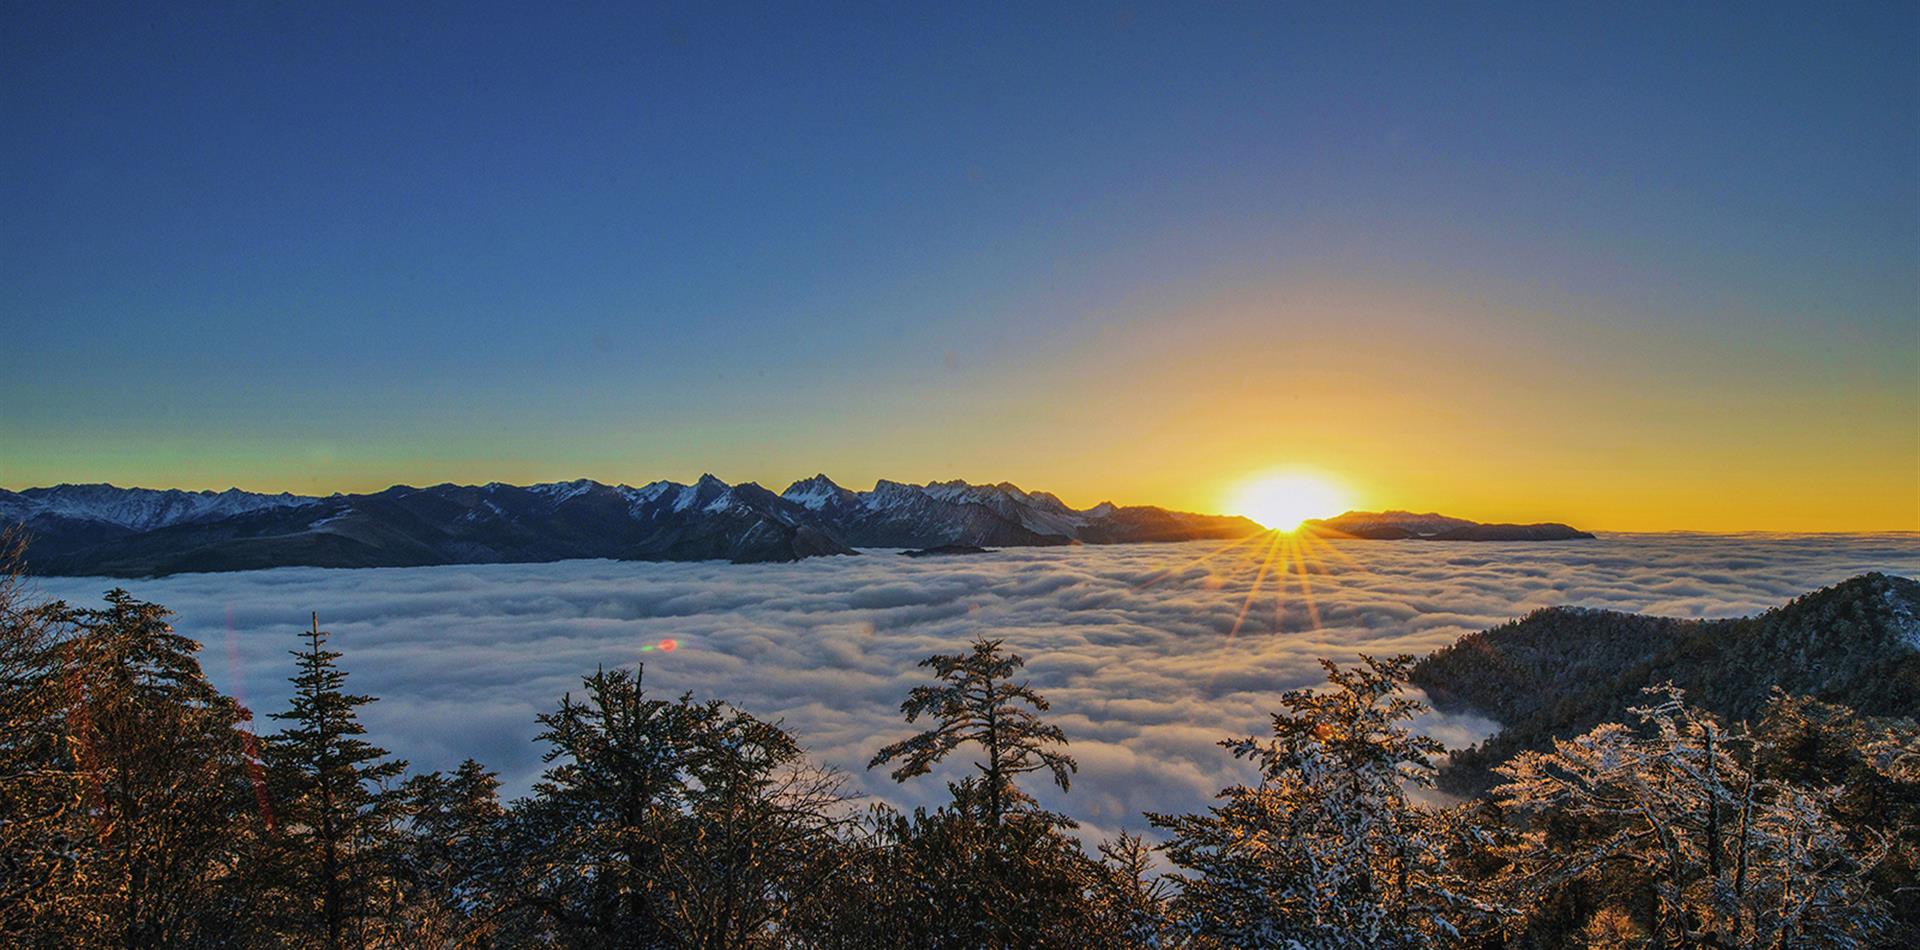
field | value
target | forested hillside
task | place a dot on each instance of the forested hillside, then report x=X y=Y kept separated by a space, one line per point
x=1561 y=671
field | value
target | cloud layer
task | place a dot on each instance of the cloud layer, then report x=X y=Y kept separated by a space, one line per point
x=1136 y=645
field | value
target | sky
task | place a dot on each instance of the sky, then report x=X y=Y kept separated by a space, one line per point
x=1632 y=267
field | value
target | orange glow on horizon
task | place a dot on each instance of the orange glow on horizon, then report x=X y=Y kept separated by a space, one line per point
x=1283 y=500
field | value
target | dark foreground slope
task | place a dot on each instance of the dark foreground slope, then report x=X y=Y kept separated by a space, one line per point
x=1561 y=671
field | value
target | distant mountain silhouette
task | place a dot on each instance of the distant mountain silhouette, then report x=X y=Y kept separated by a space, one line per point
x=1408 y=526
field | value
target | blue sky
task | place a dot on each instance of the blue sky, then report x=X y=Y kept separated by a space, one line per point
x=336 y=247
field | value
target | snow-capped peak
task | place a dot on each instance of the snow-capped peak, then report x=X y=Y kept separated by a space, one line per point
x=699 y=494
x=816 y=493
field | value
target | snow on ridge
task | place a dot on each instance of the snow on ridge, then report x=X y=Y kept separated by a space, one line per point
x=686 y=497
x=812 y=500
x=562 y=491
x=815 y=493
x=638 y=498
x=1904 y=620
x=329 y=519
x=139 y=509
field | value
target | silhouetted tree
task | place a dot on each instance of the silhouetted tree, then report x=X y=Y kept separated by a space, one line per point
x=946 y=879
x=977 y=701
x=672 y=823
x=1130 y=898
x=992 y=869
x=453 y=861
x=337 y=817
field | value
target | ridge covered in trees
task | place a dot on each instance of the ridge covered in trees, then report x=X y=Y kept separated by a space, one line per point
x=1561 y=671
x=138 y=809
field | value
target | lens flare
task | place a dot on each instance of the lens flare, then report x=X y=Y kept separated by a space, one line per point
x=664 y=646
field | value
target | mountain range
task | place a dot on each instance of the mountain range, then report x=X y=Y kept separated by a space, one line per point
x=104 y=530
x=1558 y=672
x=134 y=532
x=1409 y=526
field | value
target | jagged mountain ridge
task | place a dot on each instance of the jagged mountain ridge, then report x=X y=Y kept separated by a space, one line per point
x=100 y=529
x=136 y=509
x=1560 y=671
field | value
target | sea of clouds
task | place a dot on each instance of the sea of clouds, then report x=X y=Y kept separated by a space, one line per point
x=1149 y=653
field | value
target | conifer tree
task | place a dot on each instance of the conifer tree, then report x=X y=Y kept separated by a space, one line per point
x=1327 y=850
x=148 y=842
x=993 y=869
x=596 y=830
x=38 y=784
x=977 y=701
x=671 y=823
x=335 y=810
x=1688 y=839
x=453 y=859
x=1129 y=895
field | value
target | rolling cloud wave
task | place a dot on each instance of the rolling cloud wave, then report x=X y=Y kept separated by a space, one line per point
x=1143 y=649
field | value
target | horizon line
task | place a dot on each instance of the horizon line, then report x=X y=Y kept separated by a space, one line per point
x=1381 y=510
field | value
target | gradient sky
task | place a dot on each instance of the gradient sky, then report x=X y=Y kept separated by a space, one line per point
x=1631 y=268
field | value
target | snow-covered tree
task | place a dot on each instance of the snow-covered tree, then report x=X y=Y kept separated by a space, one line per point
x=1129 y=895
x=1328 y=850
x=38 y=783
x=1689 y=841
x=1873 y=765
x=141 y=840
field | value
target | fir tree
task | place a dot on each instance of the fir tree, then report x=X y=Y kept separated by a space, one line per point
x=1687 y=839
x=453 y=860
x=670 y=823
x=146 y=845
x=1327 y=850
x=595 y=833
x=1130 y=897
x=993 y=869
x=336 y=813
x=977 y=701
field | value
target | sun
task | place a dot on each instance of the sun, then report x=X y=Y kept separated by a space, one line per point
x=1281 y=501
